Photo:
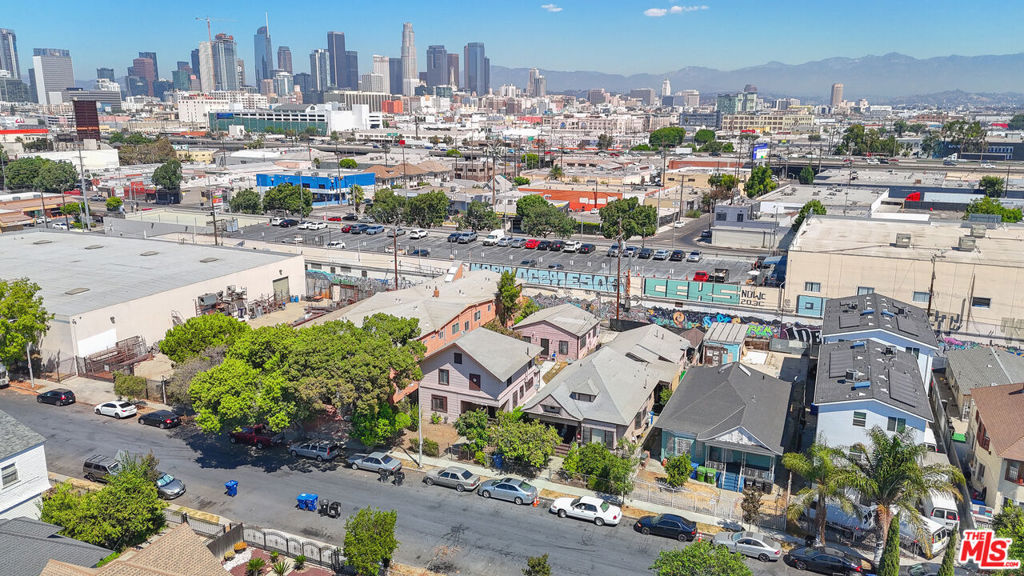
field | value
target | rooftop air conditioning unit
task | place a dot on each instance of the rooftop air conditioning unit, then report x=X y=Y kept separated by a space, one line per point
x=978 y=230
x=967 y=243
x=902 y=240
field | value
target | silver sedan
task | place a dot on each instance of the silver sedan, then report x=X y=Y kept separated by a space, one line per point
x=511 y=489
x=453 y=477
x=750 y=544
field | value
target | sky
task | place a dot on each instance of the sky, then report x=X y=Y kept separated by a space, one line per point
x=614 y=36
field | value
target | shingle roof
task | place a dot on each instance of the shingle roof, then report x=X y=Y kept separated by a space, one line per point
x=858 y=370
x=983 y=366
x=16 y=437
x=500 y=355
x=855 y=314
x=714 y=400
x=651 y=342
x=26 y=546
x=1000 y=408
x=568 y=317
x=726 y=333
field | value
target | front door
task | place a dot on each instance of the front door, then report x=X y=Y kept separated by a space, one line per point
x=544 y=343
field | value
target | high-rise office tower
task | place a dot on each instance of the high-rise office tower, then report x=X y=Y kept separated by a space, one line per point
x=283 y=83
x=437 y=65
x=395 y=75
x=531 y=80
x=156 y=66
x=207 y=77
x=478 y=69
x=105 y=73
x=240 y=71
x=371 y=83
x=540 y=86
x=143 y=69
x=319 y=70
x=182 y=79
x=52 y=72
x=225 y=62
x=336 y=51
x=305 y=83
x=410 y=74
x=837 y=95
x=284 y=59
x=454 y=79
x=666 y=88
x=263 y=65
x=194 y=57
x=9 y=53
x=351 y=70
x=382 y=68
x=691 y=98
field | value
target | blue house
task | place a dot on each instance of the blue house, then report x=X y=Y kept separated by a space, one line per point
x=328 y=189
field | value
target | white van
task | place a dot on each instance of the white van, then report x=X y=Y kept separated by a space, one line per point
x=492 y=238
x=927 y=540
x=941 y=507
x=929 y=439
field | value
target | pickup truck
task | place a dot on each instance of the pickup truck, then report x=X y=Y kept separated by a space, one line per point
x=259 y=436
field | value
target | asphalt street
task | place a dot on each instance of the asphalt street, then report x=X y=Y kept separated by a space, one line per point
x=490 y=537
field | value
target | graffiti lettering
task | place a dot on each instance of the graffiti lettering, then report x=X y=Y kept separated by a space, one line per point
x=710 y=292
x=571 y=280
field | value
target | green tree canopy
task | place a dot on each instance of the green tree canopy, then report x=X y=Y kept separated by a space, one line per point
x=168 y=175
x=703 y=136
x=545 y=219
x=508 y=297
x=1017 y=122
x=626 y=217
x=288 y=198
x=71 y=209
x=529 y=443
x=370 y=540
x=479 y=216
x=377 y=429
x=527 y=204
x=23 y=318
x=723 y=182
x=348 y=164
x=453 y=153
x=811 y=207
x=1009 y=523
x=807 y=175
x=605 y=141
x=858 y=141
x=427 y=210
x=56 y=177
x=520 y=180
x=247 y=201
x=667 y=137
x=22 y=173
x=989 y=205
x=947 y=568
x=819 y=467
x=531 y=160
x=641 y=148
x=700 y=559
x=760 y=182
x=537 y=566
x=114 y=204
x=188 y=340
x=992 y=186
x=966 y=136
x=235 y=394
x=357 y=195
x=678 y=469
x=556 y=173
x=388 y=207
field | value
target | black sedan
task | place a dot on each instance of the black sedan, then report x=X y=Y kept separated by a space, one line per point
x=556 y=266
x=645 y=253
x=350 y=217
x=529 y=262
x=57 y=397
x=587 y=248
x=677 y=256
x=419 y=252
x=454 y=236
x=825 y=561
x=288 y=223
x=557 y=245
x=544 y=245
x=160 y=419
x=667 y=525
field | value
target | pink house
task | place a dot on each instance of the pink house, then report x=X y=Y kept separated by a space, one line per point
x=567 y=331
x=482 y=369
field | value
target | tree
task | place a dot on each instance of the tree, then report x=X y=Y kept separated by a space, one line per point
x=992 y=186
x=703 y=136
x=546 y=219
x=531 y=160
x=188 y=340
x=1009 y=523
x=247 y=201
x=1017 y=122
x=528 y=443
x=760 y=182
x=890 y=477
x=520 y=180
x=990 y=205
x=357 y=195
x=378 y=428
x=556 y=173
x=479 y=216
x=700 y=559
x=949 y=556
x=751 y=504
x=819 y=467
x=289 y=198
x=723 y=182
x=23 y=318
x=71 y=209
x=22 y=173
x=388 y=207
x=235 y=394
x=627 y=218
x=667 y=137
x=453 y=153
x=604 y=141
x=348 y=164
x=527 y=204
x=678 y=469
x=370 y=540
x=427 y=210
x=142 y=150
x=900 y=127
x=890 y=565
x=807 y=175
x=537 y=566
x=641 y=148
x=811 y=207
x=56 y=177
x=168 y=175
x=474 y=426
x=508 y=297
x=129 y=385
x=114 y=204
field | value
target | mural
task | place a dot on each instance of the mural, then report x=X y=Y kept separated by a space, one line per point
x=710 y=292
x=559 y=278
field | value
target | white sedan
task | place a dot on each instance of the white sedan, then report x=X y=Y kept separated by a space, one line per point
x=417 y=233
x=317 y=226
x=587 y=508
x=118 y=409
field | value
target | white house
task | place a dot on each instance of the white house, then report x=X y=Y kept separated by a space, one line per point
x=23 y=476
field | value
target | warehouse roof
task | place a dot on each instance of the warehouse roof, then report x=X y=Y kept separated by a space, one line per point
x=79 y=272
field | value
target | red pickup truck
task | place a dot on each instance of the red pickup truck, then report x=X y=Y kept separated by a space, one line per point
x=259 y=436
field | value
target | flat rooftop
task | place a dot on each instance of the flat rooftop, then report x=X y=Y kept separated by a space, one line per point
x=833 y=195
x=79 y=272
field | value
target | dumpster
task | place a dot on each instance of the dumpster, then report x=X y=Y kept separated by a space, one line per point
x=231 y=487
x=306 y=502
x=498 y=460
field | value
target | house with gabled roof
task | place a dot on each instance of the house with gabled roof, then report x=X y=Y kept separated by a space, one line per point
x=566 y=330
x=995 y=437
x=23 y=473
x=26 y=546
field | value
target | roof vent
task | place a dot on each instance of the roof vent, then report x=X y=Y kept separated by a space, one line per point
x=149 y=253
x=858 y=344
x=94 y=246
x=209 y=259
x=74 y=291
x=851 y=374
x=862 y=384
x=978 y=230
x=38 y=242
x=902 y=240
x=967 y=244
x=867 y=311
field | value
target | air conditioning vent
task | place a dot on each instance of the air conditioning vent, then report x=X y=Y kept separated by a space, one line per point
x=978 y=230
x=967 y=243
x=902 y=240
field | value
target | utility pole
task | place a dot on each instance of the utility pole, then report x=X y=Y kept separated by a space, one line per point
x=81 y=175
x=618 y=274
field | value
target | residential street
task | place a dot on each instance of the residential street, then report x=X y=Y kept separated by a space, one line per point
x=492 y=537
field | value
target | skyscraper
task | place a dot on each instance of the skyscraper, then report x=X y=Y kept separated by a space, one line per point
x=263 y=64
x=182 y=79
x=540 y=86
x=194 y=57
x=351 y=70
x=437 y=65
x=156 y=66
x=9 y=53
x=531 y=81
x=207 y=79
x=837 y=95
x=666 y=88
x=478 y=69
x=336 y=51
x=283 y=83
x=105 y=73
x=284 y=59
x=144 y=70
x=382 y=68
x=240 y=71
x=410 y=74
x=395 y=75
x=319 y=70
x=225 y=62
x=371 y=83
x=52 y=72
x=454 y=78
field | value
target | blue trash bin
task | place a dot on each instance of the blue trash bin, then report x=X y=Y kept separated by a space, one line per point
x=498 y=460
x=301 y=501
x=231 y=486
x=311 y=502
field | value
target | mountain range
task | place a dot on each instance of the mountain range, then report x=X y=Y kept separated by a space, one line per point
x=878 y=78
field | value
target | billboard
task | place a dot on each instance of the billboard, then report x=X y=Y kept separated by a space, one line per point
x=759 y=152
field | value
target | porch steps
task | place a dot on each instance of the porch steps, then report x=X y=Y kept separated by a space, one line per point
x=731 y=481
x=561 y=449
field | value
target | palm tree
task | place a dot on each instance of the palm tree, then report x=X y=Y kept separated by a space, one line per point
x=820 y=467
x=890 y=476
x=255 y=566
x=556 y=173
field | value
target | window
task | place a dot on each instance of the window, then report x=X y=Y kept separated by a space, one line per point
x=896 y=424
x=563 y=347
x=465 y=326
x=808 y=305
x=915 y=351
x=982 y=436
x=442 y=377
x=1013 y=470
x=921 y=297
x=720 y=217
x=8 y=475
x=812 y=286
x=455 y=328
x=981 y=302
x=474 y=382
x=583 y=341
x=458 y=358
x=981 y=470
x=860 y=419
x=488 y=307
x=515 y=398
x=638 y=419
x=581 y=397
x=551 y=409
x=476 y=316
x=439 y=403
x=862 y=290
x=508 y=382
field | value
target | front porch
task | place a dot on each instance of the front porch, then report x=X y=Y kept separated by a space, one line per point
x=740 y=468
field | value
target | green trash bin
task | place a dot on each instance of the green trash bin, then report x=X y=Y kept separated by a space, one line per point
x=700 y=473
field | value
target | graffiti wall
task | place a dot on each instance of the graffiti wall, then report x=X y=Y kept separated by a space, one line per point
x=712 y=293
x=557 y=278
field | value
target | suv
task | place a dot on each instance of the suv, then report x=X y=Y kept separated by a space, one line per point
x=467 y=237
x=99 y=468
x=319 y=451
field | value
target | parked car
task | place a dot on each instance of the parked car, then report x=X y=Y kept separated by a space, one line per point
x=350 y=217
x=516 y=242
x=587 y=508
x=168 y=487
x=366 y=220
x=824 y=561
x=678 y=224
x=645 y=253
x=630 y=251
x=276 y=221
x=304 y=225
x=335 y=219
x=595 y=210
x=288 y=223
x=59 y=226
x=57 y=397
x=118 y=409
x=531 y=244
x=661 y=254
x=510 y=489
x=467 y=237
x=701 y=276
x=503 y=241
x=750 y=544
x=317 y=226
x=347 y=228
x=335 y=244
x=419 y=252
x=556 y=266
x=586 y=248
x=454 y=236
x=571 y=246
x=160 y=419
x=530 y=262
x=359 y=228
x=101 y=198
x=677 y=256
x=319 y=451
x=453 y=477
x=99 y=468
x=373 y=230
x=694 y=256
x=417 y=233
x=393 y=232
x=374 y=462
x=259 y=436
x=557 y=245
x=667 y=525
x=931 y=569
x=544 y=245
x=705 y=235
x=613 y=250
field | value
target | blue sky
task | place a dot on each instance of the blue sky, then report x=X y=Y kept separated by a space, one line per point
x=617 y=36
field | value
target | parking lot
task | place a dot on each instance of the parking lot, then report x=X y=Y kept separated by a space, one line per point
x=597 y=262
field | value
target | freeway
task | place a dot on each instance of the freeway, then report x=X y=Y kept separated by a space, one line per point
x=490 y=537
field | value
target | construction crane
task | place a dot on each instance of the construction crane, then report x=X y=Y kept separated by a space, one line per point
x=209 y=32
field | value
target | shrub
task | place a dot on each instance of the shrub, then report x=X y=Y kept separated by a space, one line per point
x=129 y=386
x=255 y=567
x=274 y=556
x=431 y=448
x=693 y=213
x=571 y=462
x=240 y=546
x=481 y=458
x=229 y=555
x=279 y=567
x=678 y=469
x=300 y=562
x=435 y=418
